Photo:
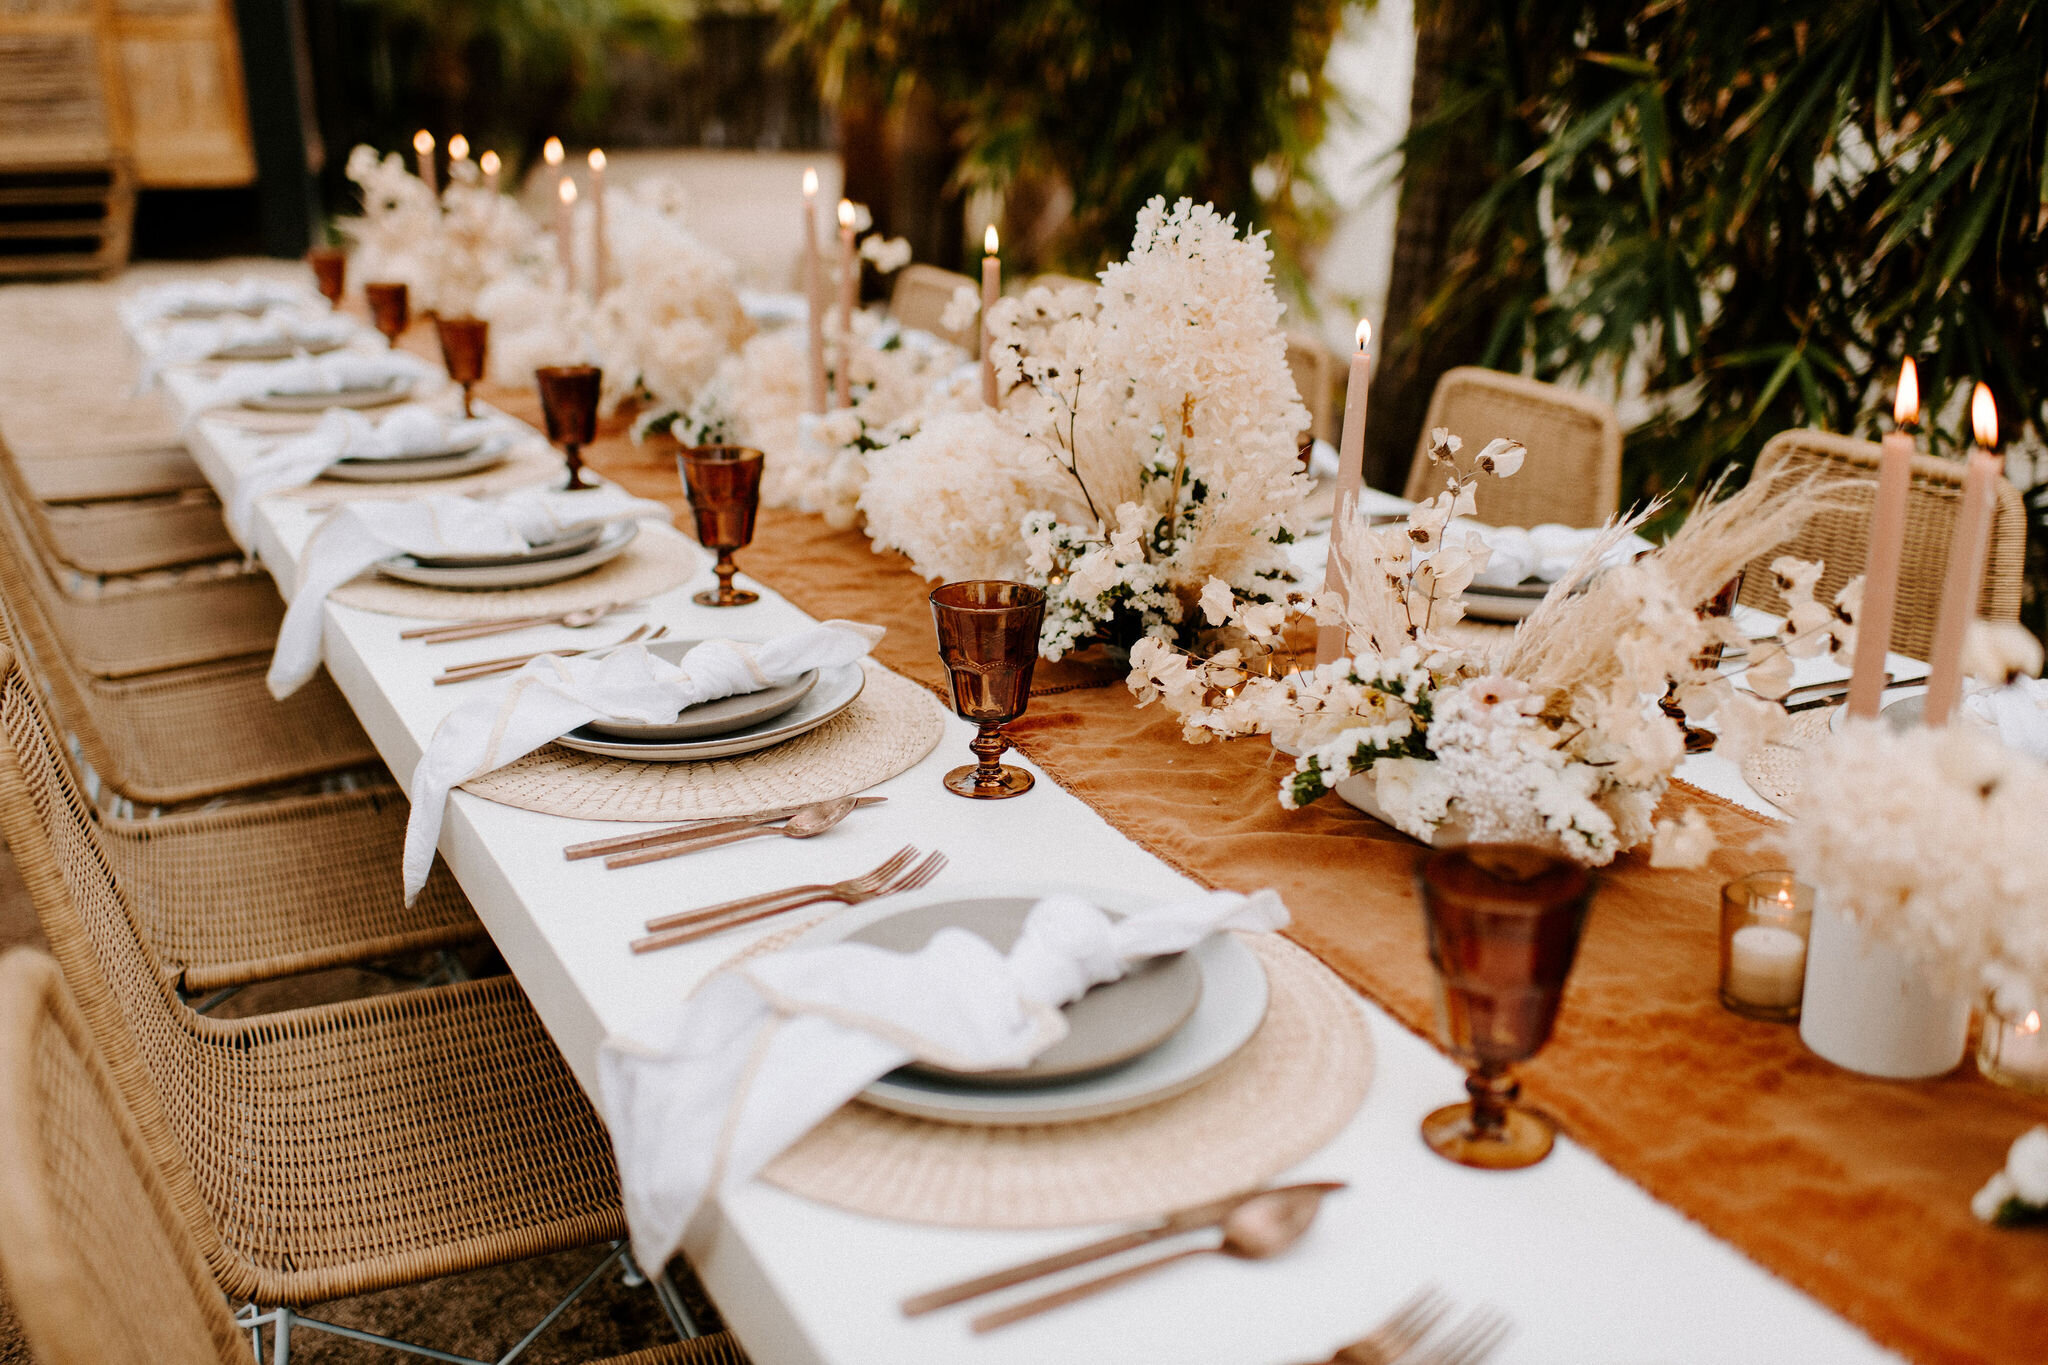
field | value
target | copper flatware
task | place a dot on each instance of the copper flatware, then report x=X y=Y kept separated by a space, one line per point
x=1404 y=1327
x=1469 y=1343
x=512 y=663
x=1260 y=1228
x=1181 y=1221
x=690 y=829
x=896 y=874
x=807 y=823
x=470 y=630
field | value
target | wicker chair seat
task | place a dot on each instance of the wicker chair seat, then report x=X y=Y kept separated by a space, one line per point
x=1573 y=472
x=140 y=468
x=137 y=535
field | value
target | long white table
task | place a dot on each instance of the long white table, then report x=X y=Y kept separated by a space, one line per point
x=1588 y=1267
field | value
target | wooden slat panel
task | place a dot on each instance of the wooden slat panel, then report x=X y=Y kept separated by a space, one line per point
x=181 y=71
x=51 y=104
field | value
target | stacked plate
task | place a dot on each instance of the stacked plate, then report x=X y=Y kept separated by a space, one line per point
x=465 y=457
x=728 y=727
x=1517 y=603
x=1157 y=1032
x=551 y=561
x=278 y=348
x=392 y=390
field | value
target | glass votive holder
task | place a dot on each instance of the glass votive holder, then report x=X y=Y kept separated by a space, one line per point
x=1765 y=919
x=2014 y=1051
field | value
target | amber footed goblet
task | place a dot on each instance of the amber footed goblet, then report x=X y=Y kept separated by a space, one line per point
x=724 y=484
x=568 y=403
x=1503 y=923
x=988 y=640
x=330 y=271
x=465 y=346
x=390 y=308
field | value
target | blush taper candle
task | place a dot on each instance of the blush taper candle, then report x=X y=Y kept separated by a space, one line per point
x=1966 y=551
x=1350 y=476
x=991 y=290
x=1887 y=547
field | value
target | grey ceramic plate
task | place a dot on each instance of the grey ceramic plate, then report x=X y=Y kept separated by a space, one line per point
x=708 y=719
x=1901 y=713
x=376 y=397
x=836 y=690
x=277 y=350
x=416 y=468
x=524 y=574
x=1505 y=604
x=576 y=542
x=1107 y=1027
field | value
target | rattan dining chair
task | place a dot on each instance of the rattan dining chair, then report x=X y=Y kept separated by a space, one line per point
x=322 y=1152
x=94 y=1247
x=1573 y=471
x=1841 y=539
x=133 y=535
x=920 y=297
x=1315 y=379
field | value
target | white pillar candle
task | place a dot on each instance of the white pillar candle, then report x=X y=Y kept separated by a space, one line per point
x=600 y=272
x=849 y=298
x=1887 y=547
x=565 y=232
x=1766 y=966
x=814 y=291
x=991 y=290
x=1350 y=477
x=423 y=155
x=1966 y=551
x=489 y=164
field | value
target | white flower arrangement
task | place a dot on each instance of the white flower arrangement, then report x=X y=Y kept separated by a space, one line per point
x=2018 y=1195
x=1552 y=736
x=446 y=248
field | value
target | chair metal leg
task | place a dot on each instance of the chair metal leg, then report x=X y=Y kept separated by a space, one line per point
x=670 y=1298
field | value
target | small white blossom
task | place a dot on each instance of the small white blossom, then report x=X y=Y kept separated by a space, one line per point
x=1685 y=842
x=961 y=309
x=1502 y=457
x=886 y=255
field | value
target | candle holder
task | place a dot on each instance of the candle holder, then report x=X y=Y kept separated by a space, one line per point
x=465 y=345
x=988 y=640
x=568 y=402
x=1766 y=919
x=330 y=272
x=1503 y=923
x=2013 y=1052
x=1699 y=740
x=390 y=308
x=724 y=484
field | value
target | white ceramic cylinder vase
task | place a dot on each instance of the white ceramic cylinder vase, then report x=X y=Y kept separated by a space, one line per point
x=1870 y=1008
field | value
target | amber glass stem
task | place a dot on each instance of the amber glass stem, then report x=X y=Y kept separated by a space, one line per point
x=573 y=453
x=1492 y=1091
x=989 y=745
x=725 y=569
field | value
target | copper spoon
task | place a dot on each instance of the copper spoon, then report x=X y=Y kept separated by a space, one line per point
x=1261 y=1227
x=807 y=823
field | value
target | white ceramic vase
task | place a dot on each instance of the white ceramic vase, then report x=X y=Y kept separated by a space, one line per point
x=1869 y=1008
x=1363 y=791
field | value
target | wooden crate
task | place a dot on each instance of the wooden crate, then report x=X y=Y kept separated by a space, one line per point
x=66 y=219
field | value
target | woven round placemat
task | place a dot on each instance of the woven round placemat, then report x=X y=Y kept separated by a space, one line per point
x=659 y=558
x=1777 y=771
x=893 y=725
x=528 y=465
x=1278 y=1101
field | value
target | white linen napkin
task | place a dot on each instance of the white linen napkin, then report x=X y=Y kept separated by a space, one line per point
x=319 y=374
x=197 y=339
x=250 y=294
x=1545 y=553
x=356 y=535
x=343 y=433
x=551 y=696
x=767 y=1048
x=2019 y=711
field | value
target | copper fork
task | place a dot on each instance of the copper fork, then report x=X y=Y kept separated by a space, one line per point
x=488 y=668
x=1405 y=1326
x=887 y=880
x=1469 y=1343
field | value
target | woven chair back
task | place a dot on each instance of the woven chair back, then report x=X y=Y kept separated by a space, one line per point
x=97 y=1261
x=920 y=298
x=1315 y=379
x=1840 y=540
x=1573 y=471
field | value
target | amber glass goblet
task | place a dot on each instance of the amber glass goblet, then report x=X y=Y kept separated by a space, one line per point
x=330 y=271
x=1503 y=923
x=390 y=308
x=724 y=484
x=465 y=345
x=568 y=401
x=988 y=640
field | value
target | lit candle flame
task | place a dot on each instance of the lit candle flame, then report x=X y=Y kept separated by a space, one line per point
x=458 y=148
x=1984 y=417
x=1906 y=407
x=2030 y=1024
x=597 y=158
x=810 y=182
x=988 y=240
x=567 y=190
x=490 y=163
x=846 y=213
x=551 y=151
x=1364 y=334
x=423 y=142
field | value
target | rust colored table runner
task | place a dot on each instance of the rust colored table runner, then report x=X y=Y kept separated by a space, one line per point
x=1853 y=1189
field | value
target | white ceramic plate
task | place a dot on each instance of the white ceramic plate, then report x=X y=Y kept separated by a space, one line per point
x=710 y=719
x=835 y=691
x=1900 y=707
x=283 y=349
x=375 y=397
x=576 y=542
x=1504 y=604
x=1233 y=1004
x=417 y=468
x=526 y=573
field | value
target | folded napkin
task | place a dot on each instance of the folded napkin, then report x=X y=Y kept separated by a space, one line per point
x=2018 y=710
x=1544 y=553
x=768 y=1047
x=344 y=434
x=322 y=374
x=356 y=535
x=250 y=294
x=197 y=339
x=551 y=696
